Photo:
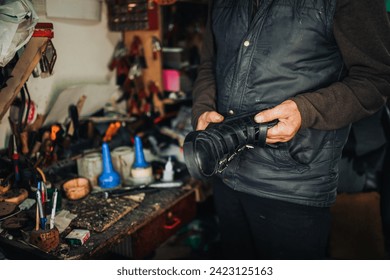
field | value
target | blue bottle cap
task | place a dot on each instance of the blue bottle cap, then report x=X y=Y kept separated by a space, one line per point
x=139 y=159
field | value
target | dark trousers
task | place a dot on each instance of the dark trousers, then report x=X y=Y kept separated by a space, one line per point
x=259 y=228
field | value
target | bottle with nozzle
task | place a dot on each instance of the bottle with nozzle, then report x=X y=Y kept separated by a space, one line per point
x=168 y=173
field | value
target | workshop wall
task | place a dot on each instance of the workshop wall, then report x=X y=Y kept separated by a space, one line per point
x=84 y=49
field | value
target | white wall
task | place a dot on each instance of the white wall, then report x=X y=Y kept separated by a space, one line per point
x=84 y=49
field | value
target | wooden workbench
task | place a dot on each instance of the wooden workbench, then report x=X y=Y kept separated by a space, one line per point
x=136 y=235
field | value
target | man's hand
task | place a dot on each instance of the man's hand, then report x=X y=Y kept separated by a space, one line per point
x=290 y=121
x=208 y=117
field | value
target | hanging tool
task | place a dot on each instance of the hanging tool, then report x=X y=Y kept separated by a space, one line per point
x=15 y=159
x=36 y=150
x=48 y=60
x=73 y=132
x=48 y=153
x=74 y=114
x=24 y=142
x=137 y=52
x=34 y=136
x=157 y=98
x=50 y=147
x=156 y=47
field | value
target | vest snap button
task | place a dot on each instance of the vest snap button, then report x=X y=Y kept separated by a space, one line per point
x=246 y=43
x=231 y=112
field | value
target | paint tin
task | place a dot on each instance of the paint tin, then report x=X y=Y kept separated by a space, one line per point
x=90 y=167
x=122 y=159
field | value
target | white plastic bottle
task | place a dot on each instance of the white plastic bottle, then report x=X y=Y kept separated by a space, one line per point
x=168 y=171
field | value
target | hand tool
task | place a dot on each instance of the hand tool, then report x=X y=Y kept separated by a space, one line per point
x=15 y=159
x=24 y=142
x=53 y=209
x=42 y=217
x=156 y=47
x=111 y=131
x=145 y=188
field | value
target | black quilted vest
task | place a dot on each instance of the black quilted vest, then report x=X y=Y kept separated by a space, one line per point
x=285 y=49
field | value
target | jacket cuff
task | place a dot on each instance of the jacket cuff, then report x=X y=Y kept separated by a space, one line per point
x=305 y=108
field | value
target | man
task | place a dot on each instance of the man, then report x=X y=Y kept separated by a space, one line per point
x=315 y=66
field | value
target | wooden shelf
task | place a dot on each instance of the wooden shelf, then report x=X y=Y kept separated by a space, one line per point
x=22 y=71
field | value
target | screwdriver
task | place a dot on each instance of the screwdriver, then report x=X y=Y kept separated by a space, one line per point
x=111 y=131
x=15 y=159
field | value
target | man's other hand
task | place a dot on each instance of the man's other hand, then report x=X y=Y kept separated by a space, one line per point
x=208 y=117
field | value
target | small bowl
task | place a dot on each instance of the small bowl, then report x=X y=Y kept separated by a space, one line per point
x=77 y=188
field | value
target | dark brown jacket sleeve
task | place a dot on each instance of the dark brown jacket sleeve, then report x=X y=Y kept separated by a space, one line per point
x=362 y=31
x=204 y=92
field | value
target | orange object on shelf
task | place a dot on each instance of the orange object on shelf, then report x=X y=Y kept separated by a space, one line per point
x=111 y=131
x=53 y=133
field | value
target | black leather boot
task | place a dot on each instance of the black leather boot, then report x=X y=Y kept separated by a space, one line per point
x=209 y=151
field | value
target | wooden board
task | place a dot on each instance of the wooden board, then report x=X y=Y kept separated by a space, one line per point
x=98 y=214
